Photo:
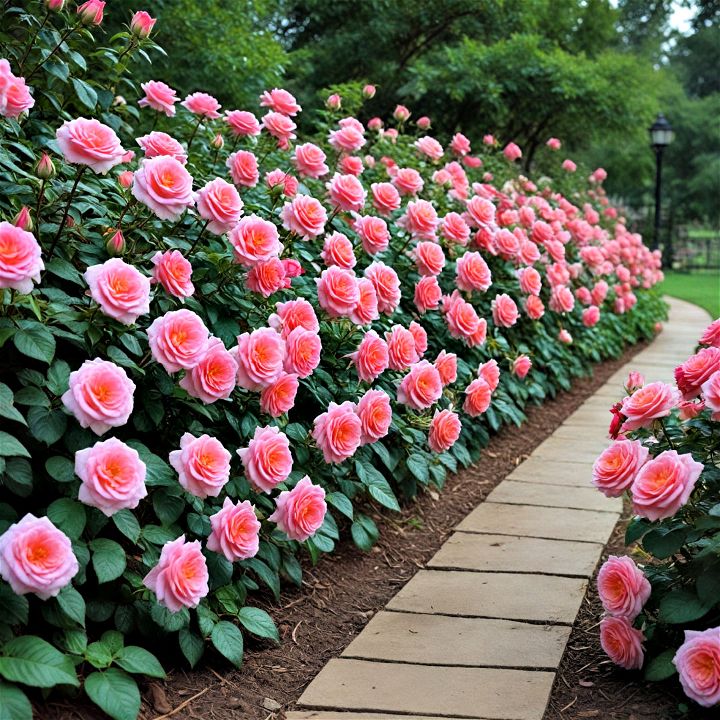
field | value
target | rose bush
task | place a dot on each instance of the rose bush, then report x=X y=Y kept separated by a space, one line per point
x=667 y=458
x=226 y=340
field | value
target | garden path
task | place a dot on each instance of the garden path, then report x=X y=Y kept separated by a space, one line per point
x=480 y=631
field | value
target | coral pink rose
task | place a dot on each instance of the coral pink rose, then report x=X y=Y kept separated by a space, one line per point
x=219 y=203
x=280 y=101
x=617 y=466
x=429 y=258
x=121 y=290
x=309 y=160
x=157 y=143
x=300 y=512
x=521 y=366
x=112 y=475
x=214 y=376
x=622 y=642
x=202 y=104
x=304 y=216
x=385 y=196
x=292 y=314
x=446 y=364
x=346 y=193
x=481 y=211
x=477 y=397
x=554 y=144
x=387 y=286
x=599 y=292
x=254 y=240
x=303 y=352
x=278 y=397
x=375 y=414
x=352 y=165
x=429 y=147
x=373 y=232
x=408 y=181
x=504 y=311
x=202 y=465
x=711 y=393
x=242 y=123
x=267 y=459
x=461 y=318
x=622 y=587
x=512 y=152
x=338 y=432
x=698 y=664
x=15 y=97
x=565 y=337
x=180 y=579
x=159 y=96
x=651 y=402
x=562 y=300
x=472 y=272
x=173 y=272
x=100 y=395
x=591 y=316
x=371 y=358
x=420 y=220
x=459 y=144
x=347 y=139
x=367 y=308
x=569 y=166
x=530 y=281
x=711 y=336
x=427 y=294
x=243 y=166
x=36 y=557
x=267 y=277
x=490 y=373
x=235 y=531
x=280 y=127
x=20 y=261
x=338 y=250
x=178 y=340
x=534 y=307
x=445 y=429
x=421 y=337
x=337 y=290
x=664 y=484
x=90 y=143
x=454 y=228
x=401 y=348
x=260 y=356
x=164 y=185
x=421 y=387
x=696 y=370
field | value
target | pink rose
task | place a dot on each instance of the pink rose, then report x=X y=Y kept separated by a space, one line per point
x=159 y=96
x=622 y=587
x=534 y=307
x=346 y=193
x=243 y=166
x=267 y=459
x=254 y=240
x=401 y=348
x=478 y=395
x=235 y=531
x=281 y=127
x=664 y=484
x=202 y=104
x=454 y=228
x=337 y=290
x=472 y=272
x=408 y=181
x=303 y=352
x=304 y=216
x=112 y=474
x=420 y=336
x=446 y=365
x=427 y=294
x=309 y=160
x=462 y=320
x=445 y=429
x=429 y=147
x=371 y=358
x=459 y=144
x=300 y=512
x=338 y=432
x=386 y=284
x=157 y=143
x=219 y=203
x=401 y=113
x=351 y=165
x=375 y=414
x=504 y=311
x=164 y=185
x=569 y=166
x=591 y=316
x=429 y=258
x=373 y=232
x=91 y=12
x=15 y=97
x=202 y=465
x=367 y=308
x=490 y=373
x=242 y=123
x=530 y=281
x=100 y=395
x=512 y=152
x=617 y=467
x=36 y=557
x=696 y=370
x=687 y=410
x=698 y=664
x=554 y=144
x=421 y=221
x=260 y=356
x=121 y=290
x=141 y=24
x=280 y=101
x=481 y=211
x=565 y=337
x=347 y=139
x=561 y=299
x=711 y=336
x=267 y=277
x=214 y=376
x=90 y=143
x=386 y=198
x=622 y=642
x=292 y=314
x=178 y=340
x=521 y=366
x=649 y=403
x=20 y=261
x=338 y=250
x=711 y=393
x=421 y=387
x=278 y=397
x=180 y=579
x=173 y=272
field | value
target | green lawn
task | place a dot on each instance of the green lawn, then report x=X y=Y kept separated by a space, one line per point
x=701 y=288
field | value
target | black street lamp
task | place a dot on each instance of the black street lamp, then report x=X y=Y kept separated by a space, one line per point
x=661 y=135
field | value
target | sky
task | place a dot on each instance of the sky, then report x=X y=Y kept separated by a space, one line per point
x=681 y=17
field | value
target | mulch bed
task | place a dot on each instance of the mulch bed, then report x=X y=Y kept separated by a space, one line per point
x=341 y=594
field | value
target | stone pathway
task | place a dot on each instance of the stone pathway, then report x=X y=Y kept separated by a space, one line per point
x=480 y=632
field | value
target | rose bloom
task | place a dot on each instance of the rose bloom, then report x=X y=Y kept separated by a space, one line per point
x=622 y=587
x=617 y=466
x=512 y=152
x=534 y=307
x=651 y=402
x=352 y=165
x=173 y=272
x=421 y=387
x=338 y=250
x=157 y=143
x=164 y=185
x=408 y=181
x=622 y=642
x=213 y=378
x=15 y=97
x=300 y=512
x=180 y=579
x=178 y=340
x=711 y=336
x=281 y=127
x=373 y=232
x=338 y=432
x=427 y=294
x=346 y=193
x=477 y=397
x=304 y=216
x=445 y=429
x=254 y=240
x=260 y=356
x=504 y=311
x=280 y=101
x=371 y=358
x=278 y=397
x=401 y=348
x=569 y=166
x=202 y=104
x=267 y=277
x=554 y=144
x=711 y=392
x=565 y=337
x=219 y=203
x=687 y=410
x=242 y=123
x=100 y=395
x=385 y=197
x=386 y=284
x=287 y=183
x=420 y=336
x=481 y=211
x=530 y=281
x=267 y=459
x=126 y=179
x=235 y=531
x=337 y=290
x=159 y=96
x=521 y=366
x=490 y=373
x=243 y=166
x=202 y=464
x=461 y=318
x=309 y=160
x=446 y=365
x=366 y=309
x=420 y=219
x=375 y=414
x=459 y=144
x=698 y=664
x=591 y=316
x=472 y=272
x=90 y=143
x=429 y=147
x=36 y=557
x=292 y=314
x=303 y=352
x=696 y=370
x=454 y=228
x=429 y=258
x=112 y=475
x=121 y=291
x=20 y=261
x=664 y=484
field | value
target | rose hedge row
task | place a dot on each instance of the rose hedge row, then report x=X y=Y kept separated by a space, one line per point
x=232 y=344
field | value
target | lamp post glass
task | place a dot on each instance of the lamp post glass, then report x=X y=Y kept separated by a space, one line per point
x=661 y=135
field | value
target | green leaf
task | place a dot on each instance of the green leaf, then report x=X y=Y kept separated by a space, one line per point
x=19 y=476
x=60 y=468
x=364 y=532
x=115 y=692
x=681 y=606
x=418 y=466
x=85 y=93
x=340 y=502
x=11 y=447
x=113 y=640
x=7 y=409
x=269 y=576
x=126 y=522
x=47 y=425
x=13 y=608
x=662 y=544
x=98 y=655
x=35 y=341
x=135 y=659
x=69 y=516
x=708 y=585
x=192 y=646
x=108 y=559
x=72 y=604
x=170 y=621
x=33 y=661
x=58 y=377
x=377 y=485
x=661 y=666
x=259 y=623
x=228 y=641
x=636 y=528
x=32 y=396
x=14 y=704
x=158 y=471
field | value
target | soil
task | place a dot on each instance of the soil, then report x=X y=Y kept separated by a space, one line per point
x=341 y=594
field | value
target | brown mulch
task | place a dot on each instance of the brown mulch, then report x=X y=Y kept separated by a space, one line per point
x=341 y=594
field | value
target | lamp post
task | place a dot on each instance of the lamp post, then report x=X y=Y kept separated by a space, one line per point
x=661 y=135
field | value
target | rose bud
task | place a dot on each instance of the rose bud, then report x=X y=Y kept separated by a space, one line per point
x=45 y=169
x=141 y=24
x=23 y=220
x=115 y=246
x=54 y=5
x=91 y=12
x=126 y=178
x=369 y=91
x=334 y=102
x=218 y=142
x=424 y=122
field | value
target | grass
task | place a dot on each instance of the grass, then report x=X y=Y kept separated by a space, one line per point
x=701 y=288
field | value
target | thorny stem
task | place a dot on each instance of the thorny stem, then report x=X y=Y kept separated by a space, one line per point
x=197 y=239
x=194 y=132
x=65 y=36
x=80 y=172
x=32 y=42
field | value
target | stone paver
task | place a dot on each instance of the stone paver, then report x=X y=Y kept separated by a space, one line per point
x=505 y=553
x=513 y=596
x=539 y=470
x=334 y=715
x=488 y=693
x=578 y=498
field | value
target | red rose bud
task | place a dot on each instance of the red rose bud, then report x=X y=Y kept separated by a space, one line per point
x=45 y=169
x=142 y=24
x=54 y=5
x=91 y=12
x=116 y=244
x=218 y=142
x=617 y=421
x=23 y=220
